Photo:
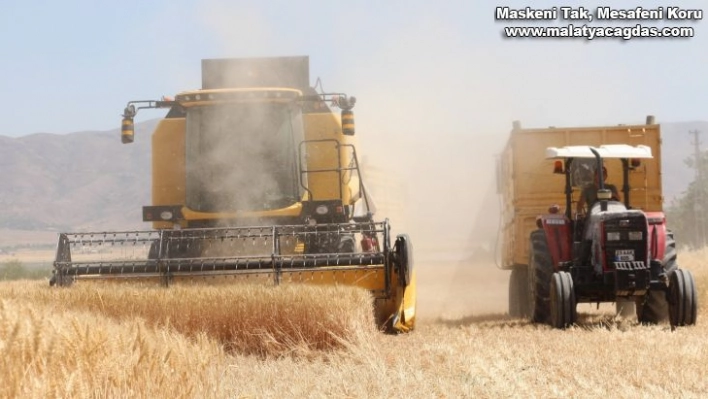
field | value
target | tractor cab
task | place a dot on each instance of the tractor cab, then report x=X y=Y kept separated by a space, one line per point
x=584 y=169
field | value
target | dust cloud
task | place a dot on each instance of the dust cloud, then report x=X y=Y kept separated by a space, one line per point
x=242 y=158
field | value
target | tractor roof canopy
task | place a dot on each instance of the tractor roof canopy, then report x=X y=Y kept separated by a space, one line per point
x=605 y=151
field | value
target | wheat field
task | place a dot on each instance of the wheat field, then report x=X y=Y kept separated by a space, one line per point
x=133 y=341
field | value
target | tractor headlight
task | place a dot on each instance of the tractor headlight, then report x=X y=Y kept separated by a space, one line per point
x=322 y=210
x=166 y=215
x=613 y=236
x=636 y=235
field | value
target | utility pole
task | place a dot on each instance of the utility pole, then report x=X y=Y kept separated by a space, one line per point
x=698 y=198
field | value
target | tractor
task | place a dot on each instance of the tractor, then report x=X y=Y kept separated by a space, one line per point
x=619 y=249
x=610 y=253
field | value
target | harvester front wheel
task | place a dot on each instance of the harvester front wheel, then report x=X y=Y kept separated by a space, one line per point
x=682 y=299
x=540 y=272
x=563 y=304
x=519 y=305
x=404 y=259
x=653 y=308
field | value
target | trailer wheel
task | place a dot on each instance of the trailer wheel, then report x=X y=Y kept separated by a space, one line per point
x=519 y=304
x=563 y=305
x=540 y=272
x=653 y=307
x=682 y=299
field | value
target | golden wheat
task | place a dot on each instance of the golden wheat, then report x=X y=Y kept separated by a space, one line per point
x=68 y=343
x=78 y=354
x=246 y=318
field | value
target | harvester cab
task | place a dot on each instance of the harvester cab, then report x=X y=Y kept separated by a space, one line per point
x=254 y=174
x=613 y=253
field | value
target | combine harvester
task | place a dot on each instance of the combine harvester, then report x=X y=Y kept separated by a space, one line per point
x=615 y=251
x=254 y=176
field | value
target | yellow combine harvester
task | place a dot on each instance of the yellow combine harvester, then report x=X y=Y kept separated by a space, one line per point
x=254 y=175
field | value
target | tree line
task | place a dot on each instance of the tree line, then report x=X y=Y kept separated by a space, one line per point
x=687 y=215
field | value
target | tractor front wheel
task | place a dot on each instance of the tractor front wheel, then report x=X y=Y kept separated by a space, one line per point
x=682 y=299
x=563 y=304
x=540 y=272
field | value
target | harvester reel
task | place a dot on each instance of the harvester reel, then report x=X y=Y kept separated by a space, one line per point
x=330 y=242
x=403 y=258
x=682 y=299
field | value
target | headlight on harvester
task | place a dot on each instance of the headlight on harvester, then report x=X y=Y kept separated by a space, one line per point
x=636 y=235
x=613 y=236
x=166 y=215
x=322 y=210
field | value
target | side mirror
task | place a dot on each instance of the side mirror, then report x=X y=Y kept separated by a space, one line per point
x=127 y=130
x=347 y=122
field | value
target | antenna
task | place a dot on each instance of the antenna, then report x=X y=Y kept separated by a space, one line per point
x=699 y=195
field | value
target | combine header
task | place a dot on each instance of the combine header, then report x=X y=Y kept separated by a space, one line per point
x=254 y=178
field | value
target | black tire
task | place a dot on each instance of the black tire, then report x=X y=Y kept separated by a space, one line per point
x=540 y=272
x=653 y=308
x=682 y=299
x=403 y=249
x=562 y=300
x=519 y=305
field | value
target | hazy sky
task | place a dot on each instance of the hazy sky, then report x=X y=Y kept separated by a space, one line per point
x=72 y=65
x=437 y=85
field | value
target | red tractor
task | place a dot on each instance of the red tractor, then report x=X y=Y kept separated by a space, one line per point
x=610 y=253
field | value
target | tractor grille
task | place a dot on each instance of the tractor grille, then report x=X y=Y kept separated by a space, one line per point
x=625 y=240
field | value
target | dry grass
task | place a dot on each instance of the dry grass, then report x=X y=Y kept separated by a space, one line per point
x=53 y=345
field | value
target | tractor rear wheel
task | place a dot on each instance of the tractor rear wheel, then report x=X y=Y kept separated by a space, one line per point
x=563 y=305
x=682 y=299
x=540 y=272
x=653 y=307
x=519 y=305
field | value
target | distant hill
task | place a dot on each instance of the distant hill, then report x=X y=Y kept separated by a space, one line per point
x=77 y=181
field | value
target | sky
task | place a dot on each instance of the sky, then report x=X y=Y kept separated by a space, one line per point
x=72 y=65
x=437 y=84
